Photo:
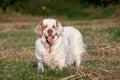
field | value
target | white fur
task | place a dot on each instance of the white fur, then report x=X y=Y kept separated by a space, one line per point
x=68 y=48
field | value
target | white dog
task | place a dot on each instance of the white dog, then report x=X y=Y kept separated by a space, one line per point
x=57 y=46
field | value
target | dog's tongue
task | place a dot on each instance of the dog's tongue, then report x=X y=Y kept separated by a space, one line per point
x=50 y=39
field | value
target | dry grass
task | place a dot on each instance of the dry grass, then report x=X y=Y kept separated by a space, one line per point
x=17 y=61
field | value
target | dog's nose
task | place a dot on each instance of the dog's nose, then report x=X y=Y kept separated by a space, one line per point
x=50 y=31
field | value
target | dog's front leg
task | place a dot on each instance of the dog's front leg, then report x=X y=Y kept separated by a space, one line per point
x=40 y=66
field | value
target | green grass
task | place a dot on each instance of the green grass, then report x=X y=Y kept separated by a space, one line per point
x=69 y=11
x=24 y=70
x=17 y=60
x=115 y=34
x=17 y=39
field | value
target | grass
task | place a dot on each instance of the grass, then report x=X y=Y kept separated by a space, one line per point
x=17 y=60
x=71 y=11
x=115 y=32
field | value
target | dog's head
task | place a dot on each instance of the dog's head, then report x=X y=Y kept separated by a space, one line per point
x=49 y=30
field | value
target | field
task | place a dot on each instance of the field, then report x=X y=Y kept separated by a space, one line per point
x=102 y=62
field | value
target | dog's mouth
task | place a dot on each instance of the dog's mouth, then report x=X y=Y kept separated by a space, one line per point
x=49 y=39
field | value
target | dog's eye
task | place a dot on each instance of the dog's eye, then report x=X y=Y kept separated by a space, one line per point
x=45 y=26
x=53 y=26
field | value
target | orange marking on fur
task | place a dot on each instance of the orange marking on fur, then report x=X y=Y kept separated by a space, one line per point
x=49 y=51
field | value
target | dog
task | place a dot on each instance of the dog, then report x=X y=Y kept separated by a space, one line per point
x=58 y=46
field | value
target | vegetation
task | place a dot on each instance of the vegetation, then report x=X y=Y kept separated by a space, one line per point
x=73 y=9
x=18 y=19
x=17 y=60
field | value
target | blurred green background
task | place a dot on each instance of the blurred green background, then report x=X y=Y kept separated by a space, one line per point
x=70 y=9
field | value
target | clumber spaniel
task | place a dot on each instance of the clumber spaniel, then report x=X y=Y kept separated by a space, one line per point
x=57 y=46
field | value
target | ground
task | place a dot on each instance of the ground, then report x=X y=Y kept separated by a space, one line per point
x=102 y=61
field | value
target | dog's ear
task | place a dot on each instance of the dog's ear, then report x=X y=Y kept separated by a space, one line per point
x=39 y=29
x=59 y=27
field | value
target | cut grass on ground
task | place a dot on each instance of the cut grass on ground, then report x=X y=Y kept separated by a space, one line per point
x=17 y=60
